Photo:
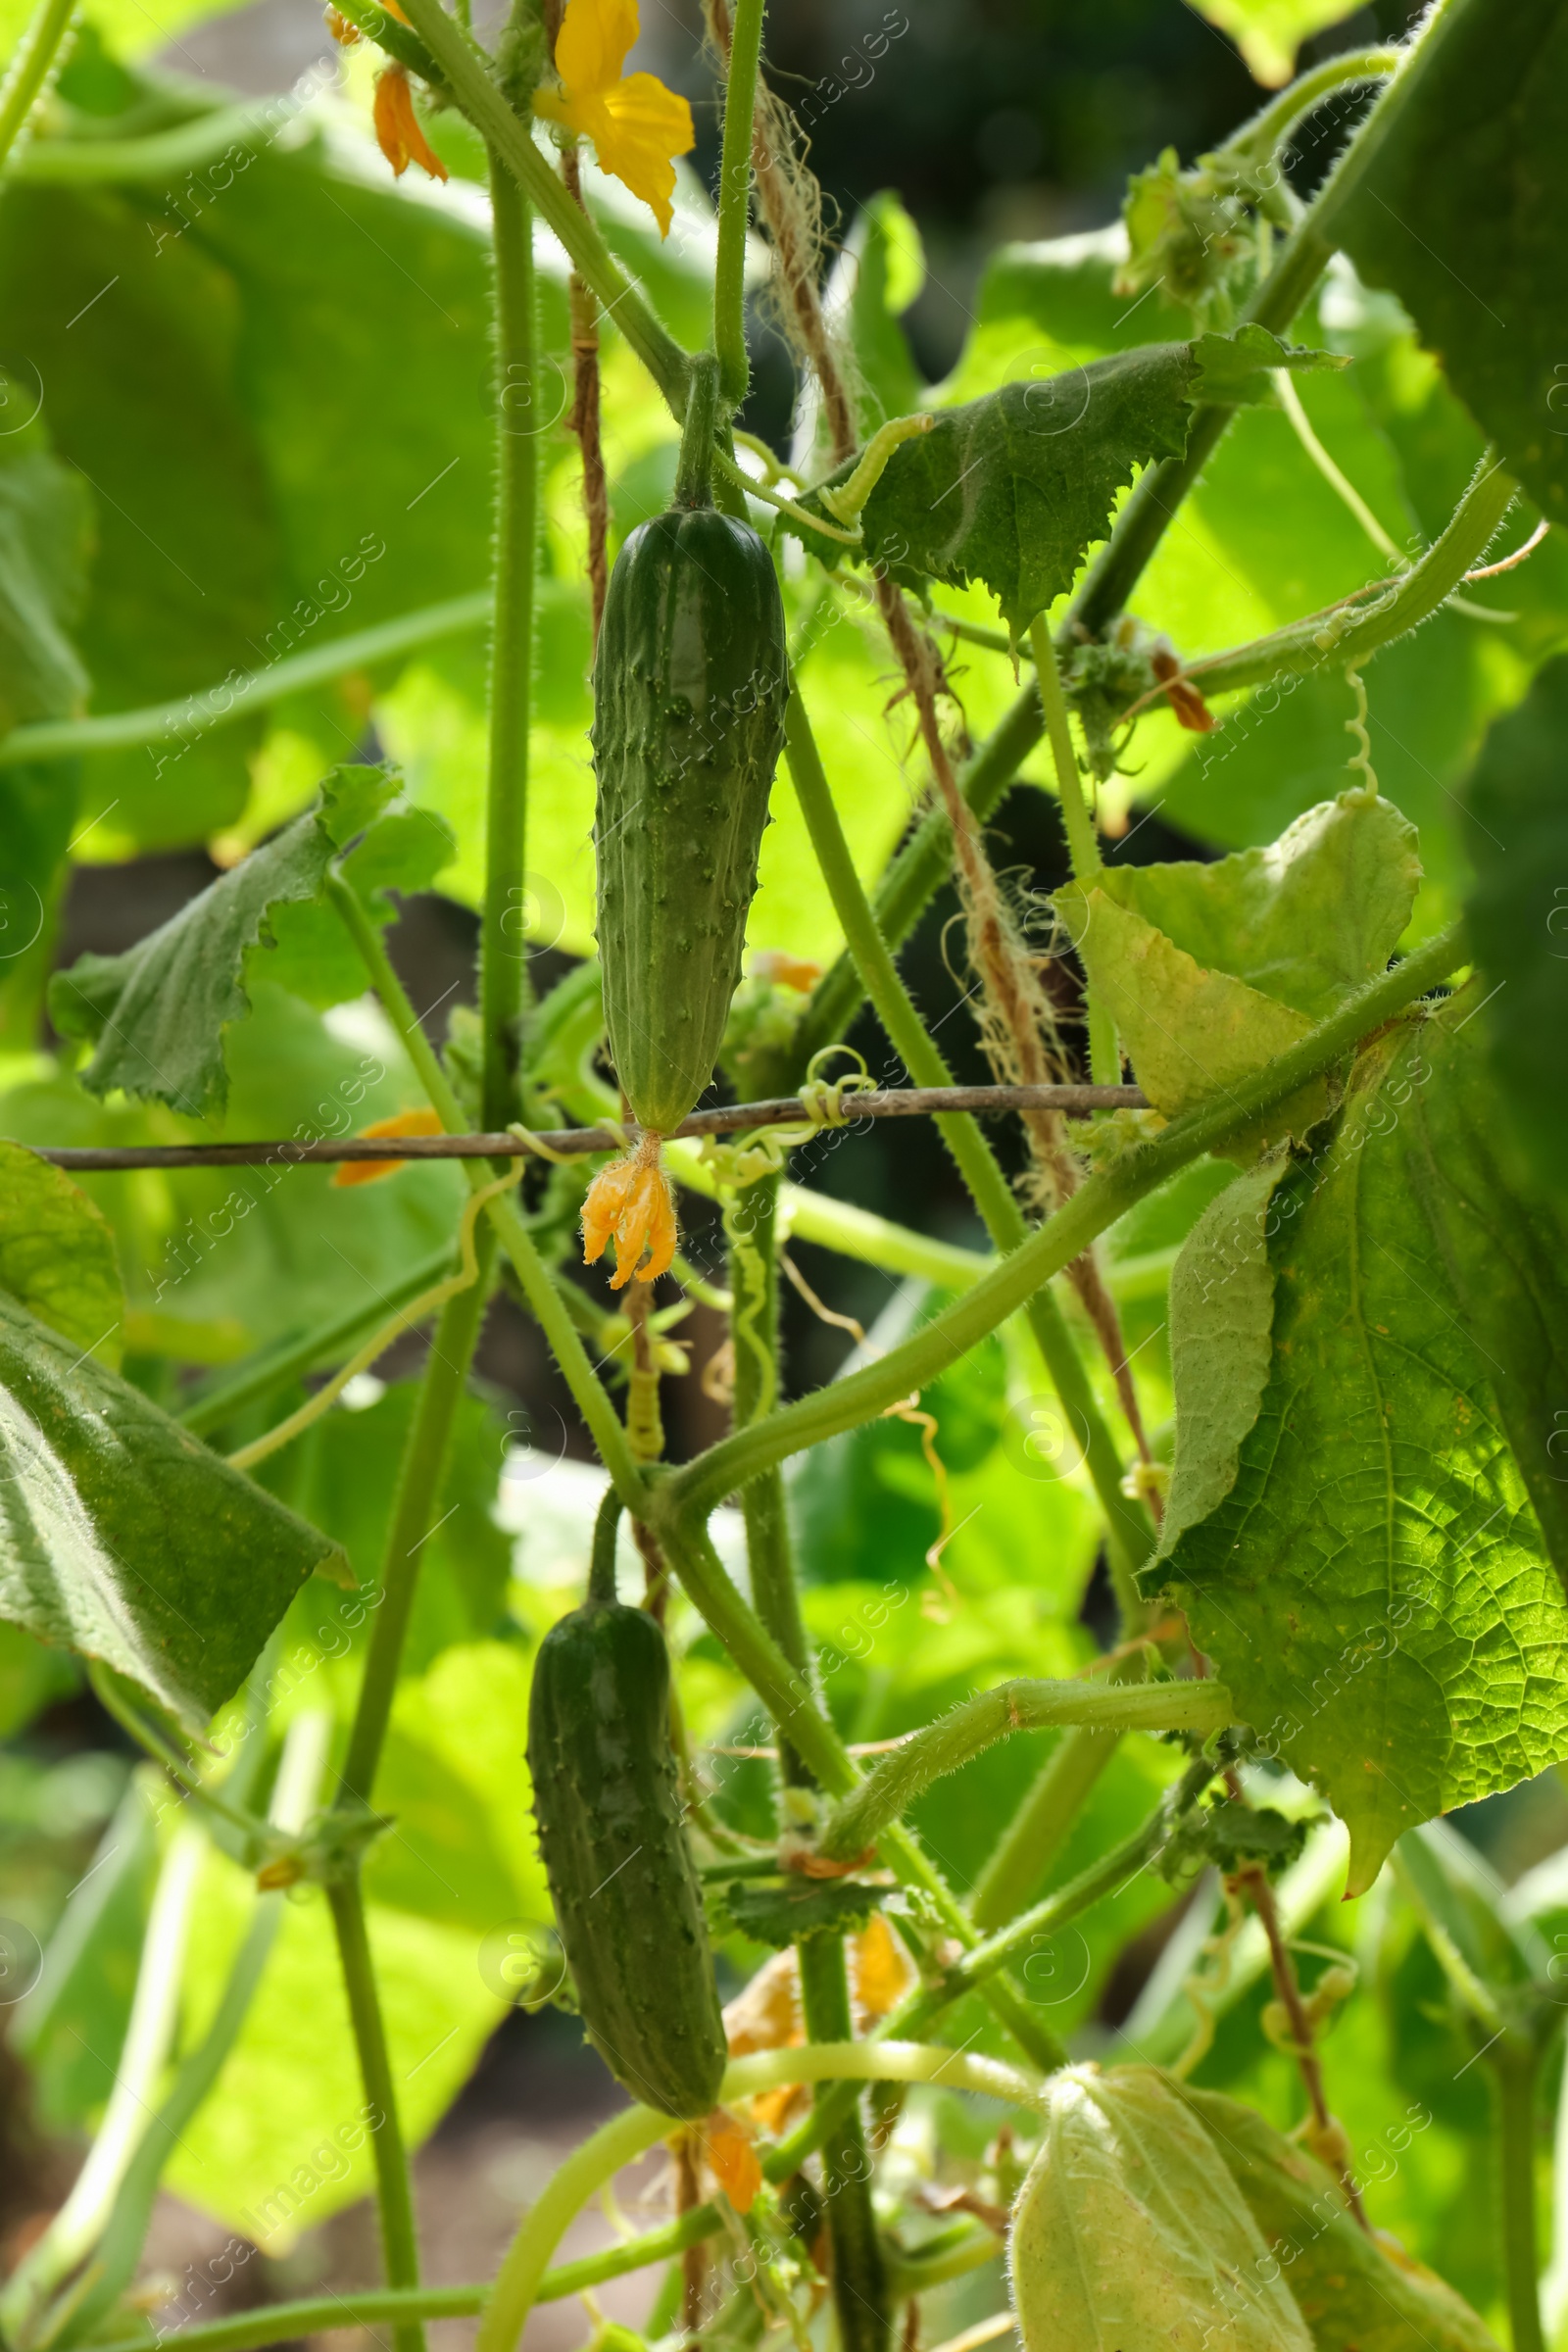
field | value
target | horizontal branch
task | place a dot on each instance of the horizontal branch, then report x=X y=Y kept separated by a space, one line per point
x=219 y=705
x=892 y=1102
x=1026 y=1705
x=694 y=1490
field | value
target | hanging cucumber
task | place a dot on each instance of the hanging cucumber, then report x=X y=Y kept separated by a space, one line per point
x=627 y=1903
x=690 y=683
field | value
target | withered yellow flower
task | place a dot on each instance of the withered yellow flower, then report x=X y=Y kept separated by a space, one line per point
x=397 y=126
x=370 y=1171
x=630 y=1203
x=637 y=126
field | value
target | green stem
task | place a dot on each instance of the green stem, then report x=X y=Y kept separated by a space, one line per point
x=977 y=1969
x=1106 y=1197
x=399 y=2245
x=466 y=71
x=120 y=2249
x=792 y=1706
x=1513 y=2064
x=30 y=67
x=635 y=2129
x=734 y=201
x=545 y=1303
x=283 y=2323
x=415 y=1510
x=503 y=963
x=1128 y=1527
x=1159 y=490
x=1083 y=844
x=149 y=2035
x=231 y=698
x=1038 y=1829
x=1346 y=638
x=273 y=1368
x=943 y=1747
x=858 y=1233
x=859 y=2275
x=694 y=467
x=160 y=157
x=1273 y=124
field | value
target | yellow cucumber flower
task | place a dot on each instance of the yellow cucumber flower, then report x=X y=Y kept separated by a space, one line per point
x=637 y=126
x=631 y=1204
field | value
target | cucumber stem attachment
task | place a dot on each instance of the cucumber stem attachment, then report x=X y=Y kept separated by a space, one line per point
x=849 y=500
x=602 y=1561
x=693 y=471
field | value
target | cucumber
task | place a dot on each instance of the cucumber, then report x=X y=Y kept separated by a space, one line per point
x=627 y=1903
x=690 y=683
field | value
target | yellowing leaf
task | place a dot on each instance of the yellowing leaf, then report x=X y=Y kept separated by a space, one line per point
x=1269 y=32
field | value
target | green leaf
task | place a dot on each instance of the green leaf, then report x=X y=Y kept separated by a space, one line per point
x=1131 y=2231
x=57 y=1254
x=157 y=1013
x=1517 y=915
x=1350 y=2287
x=884 y=263
x=1375 y=1586
x=1221 y=1319
x=45 y=523
x=1307 y=919
x=1269 y=32
x=1012 y=488
x=1212 y=970
x=123 y=1539
x=1459 y=215
x=1192 y=1034
x=779 y=1915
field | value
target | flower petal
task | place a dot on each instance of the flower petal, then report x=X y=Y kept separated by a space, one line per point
x=370 y=1171
x=645 y=128
x=593 y=38
x=397 y=126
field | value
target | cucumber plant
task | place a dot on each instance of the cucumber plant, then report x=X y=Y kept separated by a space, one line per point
x=986 y=1808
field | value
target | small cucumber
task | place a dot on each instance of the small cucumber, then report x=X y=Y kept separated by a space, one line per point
x=690 y=683
x=627 y=1903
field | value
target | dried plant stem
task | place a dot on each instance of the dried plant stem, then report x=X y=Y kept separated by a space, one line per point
x=584 y=417
x=1253 y=1883
x=1017 y=1024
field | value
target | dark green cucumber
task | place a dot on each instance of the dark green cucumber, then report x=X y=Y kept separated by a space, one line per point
x=627 y=1903
x=690 y=683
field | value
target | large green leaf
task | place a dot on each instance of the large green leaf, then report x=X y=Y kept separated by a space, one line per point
x=1517 y=912
x=1012 y=488
x=1131 y=2231
x=1459 y=212
x=1352 y=2287
x=157 y=1013
x=123 y=1538
x=1376 y=1588
x=57 y=1254
x=44 y=525
x=1221 y=1322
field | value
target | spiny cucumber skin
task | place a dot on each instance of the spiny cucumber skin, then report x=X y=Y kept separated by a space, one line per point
x=627 y=1903
x=690 y=683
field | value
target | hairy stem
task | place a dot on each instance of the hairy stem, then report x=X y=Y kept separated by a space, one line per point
x=394 y=2186
x=415 y=1512
x=1513 y=2066
x=979 y=1723
x=1038 y=1829
x=231 y=699
x=859 y=2275
x=1100 y=1201
x=1083 y=843
x=503 y=965
x=466 y=71
x=734 y=201
x=1273 y=124
x=1128 y=1527
x=548 y=1308
x=33 y=63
